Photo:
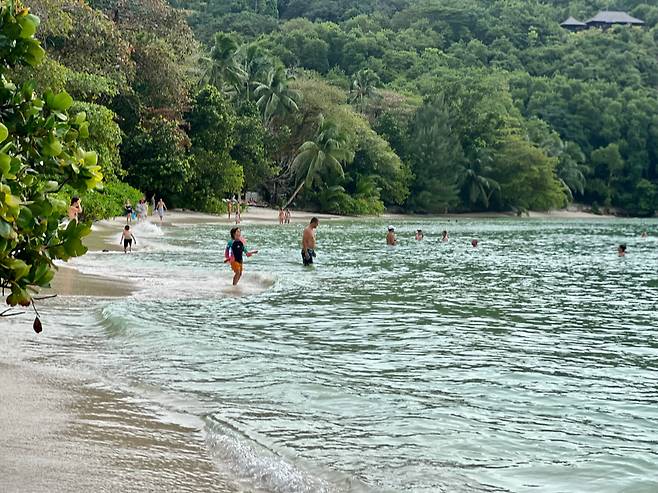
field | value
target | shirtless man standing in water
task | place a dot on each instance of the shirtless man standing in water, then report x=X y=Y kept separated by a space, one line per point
x=308 y=242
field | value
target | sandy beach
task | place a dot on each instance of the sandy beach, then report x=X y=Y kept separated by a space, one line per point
x=61 y=432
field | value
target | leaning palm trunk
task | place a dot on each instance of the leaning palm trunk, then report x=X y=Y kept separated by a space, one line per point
x=294 y=194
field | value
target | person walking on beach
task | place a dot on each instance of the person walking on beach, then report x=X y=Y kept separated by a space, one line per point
x=238 y=216
x=127 y=238
x=75 y=209
x=237 y=252
x=308 y=242
x=282 y=215
x=391 y=240
x=161 y=208
x=288 y=216
x=229 y=206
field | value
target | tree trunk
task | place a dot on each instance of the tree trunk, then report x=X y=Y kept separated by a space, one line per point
x=299 y=189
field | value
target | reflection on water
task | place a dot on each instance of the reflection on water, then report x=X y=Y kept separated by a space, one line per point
x=528 y=363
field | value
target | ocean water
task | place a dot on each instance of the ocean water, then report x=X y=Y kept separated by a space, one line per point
x=527 y=364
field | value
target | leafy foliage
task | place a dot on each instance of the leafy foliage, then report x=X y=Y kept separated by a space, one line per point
x=40 y=153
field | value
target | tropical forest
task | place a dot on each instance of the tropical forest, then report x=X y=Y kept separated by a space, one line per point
x=420 y=106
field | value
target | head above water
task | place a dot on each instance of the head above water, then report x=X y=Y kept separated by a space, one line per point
x=315 y=222
x=622 y=248
x=474 y=243
x=235 y=233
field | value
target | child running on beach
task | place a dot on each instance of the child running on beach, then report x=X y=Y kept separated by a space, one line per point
x=234 y=252
x=127 y=238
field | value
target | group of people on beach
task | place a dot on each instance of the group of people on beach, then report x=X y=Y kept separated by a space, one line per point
x=284 y=216
x=140 y=211
x=392 y=240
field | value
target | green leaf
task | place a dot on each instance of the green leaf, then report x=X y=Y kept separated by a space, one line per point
x=84 y=130
x=25 y=219
x=29 y=25
x=4 y=133
x=5 y=230
x=60 y=102
x=19 y=268
x=35 y=54
x=5 y=164
x=52 y=148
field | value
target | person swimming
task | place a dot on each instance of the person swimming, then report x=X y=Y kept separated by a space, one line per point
x=419 y=235
x=621 y=251
x=444 y=235
x=391 y=239
x=474 y=243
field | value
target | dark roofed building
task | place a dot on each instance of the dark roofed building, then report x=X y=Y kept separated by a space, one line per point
x=573 y=25
x=609 y=18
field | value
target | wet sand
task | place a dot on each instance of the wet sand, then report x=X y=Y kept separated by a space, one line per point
x=61 y=434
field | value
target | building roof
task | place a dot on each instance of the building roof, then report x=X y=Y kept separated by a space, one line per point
x=614 y=17
x=573 y=22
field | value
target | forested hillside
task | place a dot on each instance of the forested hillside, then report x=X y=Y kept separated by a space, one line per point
x=350 y=107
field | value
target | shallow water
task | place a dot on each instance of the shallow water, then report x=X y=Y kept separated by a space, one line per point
x=527 y=364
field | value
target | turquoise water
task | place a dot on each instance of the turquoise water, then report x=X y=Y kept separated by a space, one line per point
x=527 y=364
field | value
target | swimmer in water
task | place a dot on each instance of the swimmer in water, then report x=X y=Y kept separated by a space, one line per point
x=308 y=242
x=644 y=234
x=474 y=243
x=391 y=239
x=127 y=239
x=419 y=235
x=621 y=251
x=444 y=236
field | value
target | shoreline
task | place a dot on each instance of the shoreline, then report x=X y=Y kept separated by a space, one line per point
x=78 y=436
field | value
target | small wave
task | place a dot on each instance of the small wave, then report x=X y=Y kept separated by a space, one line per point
x=254 y=465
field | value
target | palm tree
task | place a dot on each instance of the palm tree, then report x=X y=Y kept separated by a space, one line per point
x=224 y=69
x=323 y=155
x=363 y=87
x=570 y=169
x=255 y=65
x=275 y=98
x=477 y=186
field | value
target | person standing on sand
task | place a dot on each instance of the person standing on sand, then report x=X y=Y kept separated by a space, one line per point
x=161 y=208
x=282 y=215
x=308 y=242
x=391 y=240
x=75 y=209
x=127 y=238
x=238 y=216
x=288 y=216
